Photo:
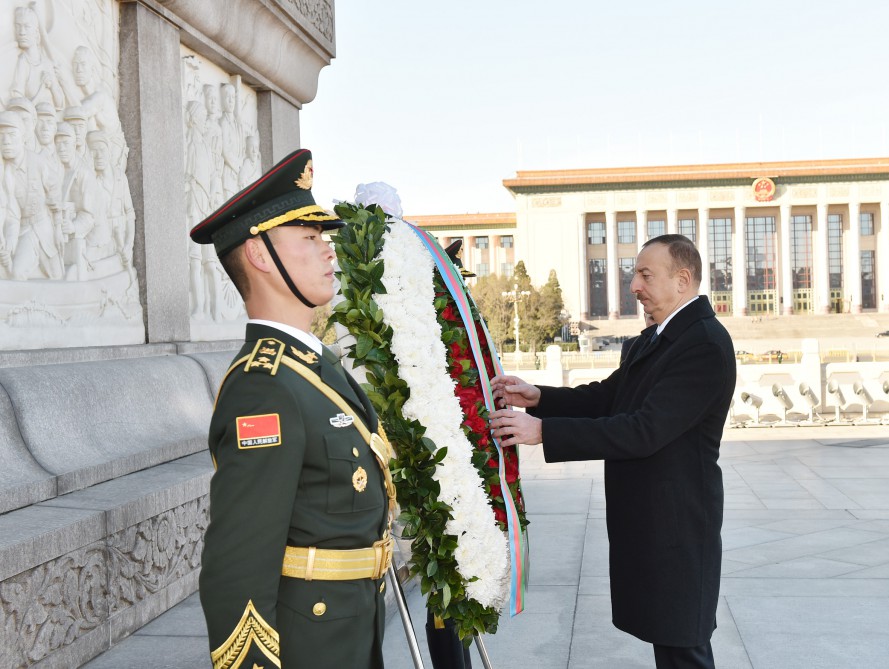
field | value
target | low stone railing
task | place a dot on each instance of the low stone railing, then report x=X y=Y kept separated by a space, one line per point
x=103 y=495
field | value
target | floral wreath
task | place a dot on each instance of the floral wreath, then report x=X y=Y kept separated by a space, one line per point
x=402 y=304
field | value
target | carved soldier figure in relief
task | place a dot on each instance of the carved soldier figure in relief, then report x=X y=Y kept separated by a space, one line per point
x=32 y=245
x=232 y=141
x=213 y=136
x=45 y=131
x=198 y=183
x=78 y=119
x=98 y=103
x=81 y=208
x=251 y=168
x=28 y=113
x=114 y=232
x=35 y=75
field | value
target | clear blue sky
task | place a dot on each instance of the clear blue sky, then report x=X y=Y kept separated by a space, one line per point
x=445 y=100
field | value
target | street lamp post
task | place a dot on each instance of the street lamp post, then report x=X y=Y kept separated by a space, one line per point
x=515 y=294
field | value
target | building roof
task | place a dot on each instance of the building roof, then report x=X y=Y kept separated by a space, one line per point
x=690 y=175
x=464 y=221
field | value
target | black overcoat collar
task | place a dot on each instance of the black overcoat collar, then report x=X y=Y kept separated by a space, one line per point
x=692 y=313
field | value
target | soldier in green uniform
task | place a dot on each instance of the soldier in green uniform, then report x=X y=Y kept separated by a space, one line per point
x=301 y=500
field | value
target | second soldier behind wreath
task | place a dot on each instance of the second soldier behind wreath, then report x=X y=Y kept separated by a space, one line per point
x=298 y=540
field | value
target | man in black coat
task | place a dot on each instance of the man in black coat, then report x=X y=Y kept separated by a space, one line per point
x=657 y=423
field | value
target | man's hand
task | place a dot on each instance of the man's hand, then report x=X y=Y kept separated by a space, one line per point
x=512 y=391
x=516 y=427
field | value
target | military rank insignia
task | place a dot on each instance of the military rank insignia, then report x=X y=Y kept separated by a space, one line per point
x=266 y=356
x=259 y=431
x=309 y=357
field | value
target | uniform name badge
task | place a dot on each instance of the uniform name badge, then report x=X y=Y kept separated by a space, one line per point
x=258 y=431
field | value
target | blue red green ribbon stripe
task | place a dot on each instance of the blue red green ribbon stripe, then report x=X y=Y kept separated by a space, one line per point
x=454 y=283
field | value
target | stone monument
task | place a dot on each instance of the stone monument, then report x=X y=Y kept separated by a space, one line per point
x=122 y=124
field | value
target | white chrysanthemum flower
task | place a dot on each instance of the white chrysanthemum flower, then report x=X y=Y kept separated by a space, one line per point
x=482 y=552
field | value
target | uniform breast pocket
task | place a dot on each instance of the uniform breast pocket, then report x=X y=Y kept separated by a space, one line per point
x=355 y=477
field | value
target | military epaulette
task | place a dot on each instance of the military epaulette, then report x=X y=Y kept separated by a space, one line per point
x=266 y=356
x=307 y=357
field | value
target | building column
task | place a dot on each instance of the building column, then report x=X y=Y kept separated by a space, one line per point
x=583 y=311
x=786 y=295
x=641 y=228
x=612 y=268
x=641 y=238
x=852 y=268
x=278 y=124
x=821 y=269
x=469 y=252
x=497 y=254
x=703 y=244
x=882 y=258
x=739 y=263
x=672 y=221
x=150 y=113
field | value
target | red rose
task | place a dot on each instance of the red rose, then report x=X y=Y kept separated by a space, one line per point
x=450 y=313
x=512 y=466
x=473 y=421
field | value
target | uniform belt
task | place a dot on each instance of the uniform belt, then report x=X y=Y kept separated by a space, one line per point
x=338 y=565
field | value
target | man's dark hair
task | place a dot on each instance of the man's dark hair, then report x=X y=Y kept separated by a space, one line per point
x=682 y=252
x=233 y=264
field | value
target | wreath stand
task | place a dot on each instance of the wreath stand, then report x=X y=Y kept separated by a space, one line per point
x=409 y=633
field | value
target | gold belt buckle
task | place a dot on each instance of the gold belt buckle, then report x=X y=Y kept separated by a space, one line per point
x=382 y=557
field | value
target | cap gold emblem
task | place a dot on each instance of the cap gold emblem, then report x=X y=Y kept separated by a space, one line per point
x=305 y=179
x=359 y=479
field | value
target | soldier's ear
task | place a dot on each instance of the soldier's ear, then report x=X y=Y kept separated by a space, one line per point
x=256 y=254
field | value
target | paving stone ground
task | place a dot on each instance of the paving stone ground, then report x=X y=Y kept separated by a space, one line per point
x=805 y=566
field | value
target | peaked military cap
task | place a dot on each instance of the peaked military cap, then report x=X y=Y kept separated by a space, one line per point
x=455 y=253
x=281 y=196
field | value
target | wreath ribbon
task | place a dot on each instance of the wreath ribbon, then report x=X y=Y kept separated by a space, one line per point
x=454 y=283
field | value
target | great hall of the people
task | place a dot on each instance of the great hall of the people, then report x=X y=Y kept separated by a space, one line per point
x=812 y=237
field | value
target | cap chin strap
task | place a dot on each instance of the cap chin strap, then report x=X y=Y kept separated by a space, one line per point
x=284 y=274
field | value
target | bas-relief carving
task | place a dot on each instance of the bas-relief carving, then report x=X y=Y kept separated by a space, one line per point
x=838 y=190
x=52 y=605
x=870 y=192
x=545 y=201
x=318 y=12
x=594 y=202
x=63 y=219
x=222 y=156
x=722 y=195
x=624 y=200
x=804 y=192
x=56 y=603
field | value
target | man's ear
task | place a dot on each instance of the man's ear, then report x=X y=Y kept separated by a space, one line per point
x=257 y=254
x=684 y=276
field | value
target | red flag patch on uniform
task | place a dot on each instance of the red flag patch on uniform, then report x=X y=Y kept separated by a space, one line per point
x=259 y=431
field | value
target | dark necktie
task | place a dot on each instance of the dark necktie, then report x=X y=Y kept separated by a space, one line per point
x=650 y=343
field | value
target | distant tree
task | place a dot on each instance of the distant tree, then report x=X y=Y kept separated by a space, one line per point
x=520 y=276
x=553 y=306
x=540 y=313
x=494 y=308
